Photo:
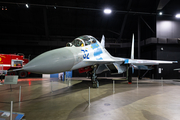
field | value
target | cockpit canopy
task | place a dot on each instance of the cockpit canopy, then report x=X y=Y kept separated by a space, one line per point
x=82 y=41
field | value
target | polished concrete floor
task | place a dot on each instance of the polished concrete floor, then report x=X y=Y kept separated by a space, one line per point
x=151 y=100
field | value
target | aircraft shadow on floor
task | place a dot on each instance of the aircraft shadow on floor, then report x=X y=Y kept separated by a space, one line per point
x=69 y=90
x=85 y=85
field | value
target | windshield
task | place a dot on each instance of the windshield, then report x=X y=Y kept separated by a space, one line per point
x=83 y=41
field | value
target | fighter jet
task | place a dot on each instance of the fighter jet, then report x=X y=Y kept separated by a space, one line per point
x=88 y=53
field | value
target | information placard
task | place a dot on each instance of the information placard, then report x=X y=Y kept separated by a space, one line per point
x=11 y=79
x=5 y=115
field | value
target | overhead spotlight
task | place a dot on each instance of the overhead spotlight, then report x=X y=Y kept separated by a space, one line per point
x=160 y=13
x=27 y=5
x=107 y=11
x=177 y=15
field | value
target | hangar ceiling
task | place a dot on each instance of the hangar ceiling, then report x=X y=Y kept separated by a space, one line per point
x=77 y=17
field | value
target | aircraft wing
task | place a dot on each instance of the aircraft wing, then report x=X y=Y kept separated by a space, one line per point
x=106 y=61
x=131 y=61
x=147 y=62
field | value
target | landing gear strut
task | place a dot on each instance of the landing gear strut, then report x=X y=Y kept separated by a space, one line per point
x=129 y=74
x=94 y=78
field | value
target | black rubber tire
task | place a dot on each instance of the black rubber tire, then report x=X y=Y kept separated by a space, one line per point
x=12 y=73
x=95 y=84
x=22 y=74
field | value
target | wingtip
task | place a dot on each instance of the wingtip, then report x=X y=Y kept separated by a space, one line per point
x=175 y=61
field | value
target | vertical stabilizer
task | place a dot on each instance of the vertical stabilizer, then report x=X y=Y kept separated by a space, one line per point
x=132 y=47
x=103 y=41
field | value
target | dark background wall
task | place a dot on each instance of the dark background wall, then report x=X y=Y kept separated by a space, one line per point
x=167 y=29
x=169 y=52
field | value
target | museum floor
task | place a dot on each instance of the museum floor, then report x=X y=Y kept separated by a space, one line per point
x=152 y=100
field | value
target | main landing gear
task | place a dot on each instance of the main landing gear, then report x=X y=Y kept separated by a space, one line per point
x=129 y=74
x=94 y=78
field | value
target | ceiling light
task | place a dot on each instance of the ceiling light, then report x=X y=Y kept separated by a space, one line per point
x=160 y=13
x=177 y=15
x=107 y=11
x=54 y=7
x=27 y=5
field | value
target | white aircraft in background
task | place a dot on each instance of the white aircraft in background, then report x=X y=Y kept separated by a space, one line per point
x=86 y=54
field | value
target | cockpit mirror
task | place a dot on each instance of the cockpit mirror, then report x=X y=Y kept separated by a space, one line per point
x=93 y=41
x=69 y=44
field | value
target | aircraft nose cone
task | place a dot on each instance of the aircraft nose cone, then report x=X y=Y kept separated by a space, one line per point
x=54 y=61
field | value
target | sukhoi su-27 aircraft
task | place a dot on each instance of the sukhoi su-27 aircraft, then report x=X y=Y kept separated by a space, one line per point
x=86 y=52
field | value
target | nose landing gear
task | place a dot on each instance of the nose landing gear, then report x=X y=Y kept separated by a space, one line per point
x=95 y=82
x=94 y=78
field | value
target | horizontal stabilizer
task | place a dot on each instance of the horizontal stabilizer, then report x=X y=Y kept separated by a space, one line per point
x=177 y=69
x=142 y=67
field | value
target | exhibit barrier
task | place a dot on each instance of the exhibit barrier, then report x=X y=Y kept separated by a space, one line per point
x=1 y=69
x=19 y=93
x=113 y=86
x=51 y=86
x=68 y=74
x=1 y=73
x=89 y=96
x=137 y=82
x=69 y=83
x=11 y=110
